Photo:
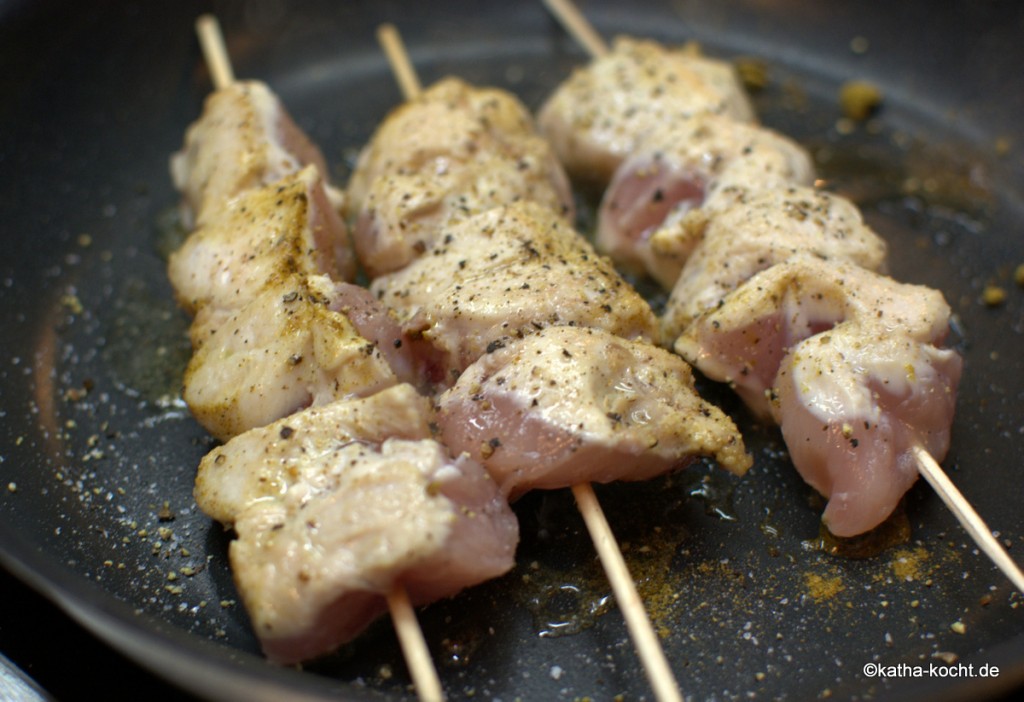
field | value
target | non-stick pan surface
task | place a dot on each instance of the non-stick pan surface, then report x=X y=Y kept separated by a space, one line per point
x=97 y=452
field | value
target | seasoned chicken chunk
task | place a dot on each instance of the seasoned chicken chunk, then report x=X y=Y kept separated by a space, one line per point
x=243 y=140
x=569 y=405
x=849 y=363
x=597 y=117
x=336 y=505
x=705 y=162
x=305 y=341
x=448 y=154
x=266 y=234
x=757 y=231
x=504 y=274
x=852 y=405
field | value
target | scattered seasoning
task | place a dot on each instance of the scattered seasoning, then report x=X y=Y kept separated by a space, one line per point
x=1018 y=275
x=76 y=394
x=993 y=295
x=164 y=514
x=822 y=588
x=12 y=487
x=859 y=99
x=487 y=448
x=859 y=45
x=753 y=72
x=72 y=303
x=909 y=565
x=958 y=627
x=845 y=126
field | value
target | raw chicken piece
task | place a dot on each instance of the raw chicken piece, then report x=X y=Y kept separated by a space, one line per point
x=849 y=363
x=244 y=139
x=598 y=116
x=851 y=406
x=266 y=234
x=336 y=505
x=504 y=274
x=302 y=341
x=705 y=162
x=757 y=231
x=569 y=405
x=453 y=152
x=223 y=490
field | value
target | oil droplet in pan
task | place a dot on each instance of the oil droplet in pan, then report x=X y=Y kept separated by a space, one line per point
x=894 y=531
x=563 y=609
x=715 y=491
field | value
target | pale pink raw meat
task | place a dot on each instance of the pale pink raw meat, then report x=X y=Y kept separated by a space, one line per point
x=506 y=273
x=450 y=153
x=852 y=439
x=757 y=231
x=598 y=116
x=704 y=162
x=335 y=506
x=850 y=364
x=243 y=140
x=266 y=234
x=570 y=405
x=302 y=341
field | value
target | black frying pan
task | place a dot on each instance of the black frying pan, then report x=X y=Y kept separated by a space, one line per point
x=98 y=454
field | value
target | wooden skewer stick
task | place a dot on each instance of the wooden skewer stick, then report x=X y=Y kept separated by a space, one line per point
x=577 y=26
x=659 y=674
x=211 y=41
x=414 y=646
x=391 y=41
x=580 y=29
x=651 y=654
x=968 y=517
x=410 y=636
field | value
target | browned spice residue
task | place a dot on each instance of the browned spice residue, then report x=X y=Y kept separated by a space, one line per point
x=859 y=99
x=822 y=588
x=993 y=296
x=657 y=584
x=910 y=564
x=753 y=72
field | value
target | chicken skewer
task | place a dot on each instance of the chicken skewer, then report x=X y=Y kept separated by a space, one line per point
x=649 y=649
x=410 y=635
x=926 y=465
